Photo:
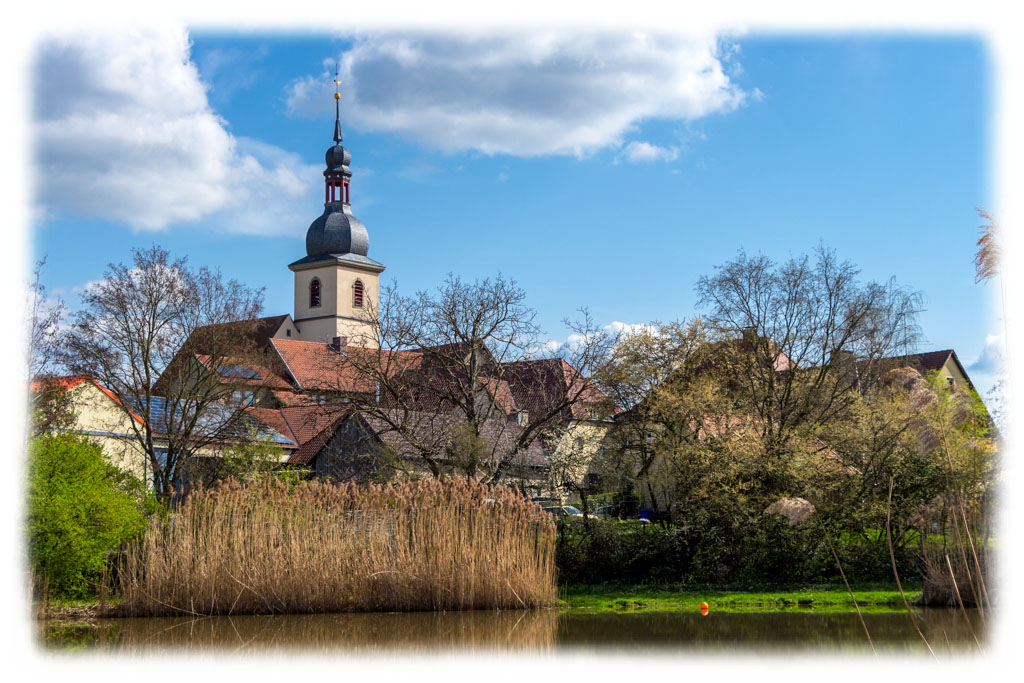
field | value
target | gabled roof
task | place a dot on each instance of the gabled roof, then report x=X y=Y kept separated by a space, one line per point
x=159 y=411
x=233 y=372
x=539 y=385
x=63 y=383
x=432 y=428
x=258 y=331
x=69 y=382
x=218 y=420
x=299 y=424
x=314 y=365
x=501 y=392
x=249 y=337
x=932 y=360
x=307 y=451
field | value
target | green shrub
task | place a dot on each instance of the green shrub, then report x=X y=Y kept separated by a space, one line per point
x=79 y=510
x=752 y=549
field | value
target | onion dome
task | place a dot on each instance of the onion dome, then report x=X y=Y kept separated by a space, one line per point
x=337 y=158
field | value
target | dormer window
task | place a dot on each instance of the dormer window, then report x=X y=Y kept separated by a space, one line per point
x=314 y=293
x=357 y=294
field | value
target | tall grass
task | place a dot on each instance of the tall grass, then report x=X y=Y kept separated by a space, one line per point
x=312 y=547
x=957 y=560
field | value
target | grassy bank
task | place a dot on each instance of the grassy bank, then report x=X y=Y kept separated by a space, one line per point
x=627 y=599
x=820 y=598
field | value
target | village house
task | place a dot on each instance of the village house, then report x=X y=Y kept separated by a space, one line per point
x=99 y=415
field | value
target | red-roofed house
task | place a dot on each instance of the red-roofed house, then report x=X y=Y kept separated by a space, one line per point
x=99 y=415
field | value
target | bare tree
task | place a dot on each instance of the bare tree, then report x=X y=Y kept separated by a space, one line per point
x=158 y=318
x=455 y=375
x=49 y=405
x=797 y=340
x=45 y=316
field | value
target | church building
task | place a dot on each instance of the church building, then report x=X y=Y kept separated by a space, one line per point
x=336 y=283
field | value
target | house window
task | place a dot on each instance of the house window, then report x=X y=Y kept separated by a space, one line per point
x=314 y=293
x=357 y=294
x=243 y=397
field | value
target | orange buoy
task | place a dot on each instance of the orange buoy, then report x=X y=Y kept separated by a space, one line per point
x=704 y=608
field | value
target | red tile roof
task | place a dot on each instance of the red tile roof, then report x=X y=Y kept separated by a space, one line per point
x=68 y=382
x=63 y=383
x=540 y=385
x=501 y=392
x=248 y=336
x=315 y=365
x=305 y=453
x=298 y=423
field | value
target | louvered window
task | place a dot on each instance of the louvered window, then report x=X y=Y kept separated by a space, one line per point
x=357 y=294
x=314 y=293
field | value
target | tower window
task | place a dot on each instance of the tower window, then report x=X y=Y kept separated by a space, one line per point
x=314 y=293
x=357 y=294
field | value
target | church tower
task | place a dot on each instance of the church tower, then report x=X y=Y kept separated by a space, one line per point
x=336 y=285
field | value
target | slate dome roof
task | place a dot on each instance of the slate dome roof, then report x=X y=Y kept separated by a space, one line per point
x=337 y=231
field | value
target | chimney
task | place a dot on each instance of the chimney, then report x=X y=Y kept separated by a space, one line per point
x=338 y=343
x=750 y=333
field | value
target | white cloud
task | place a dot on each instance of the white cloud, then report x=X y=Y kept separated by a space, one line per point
x=123 y=131
x=524 y=94
x=643 y=152
x=992 y=357
x=554 y=348
x=990 y=365
x=626 y=329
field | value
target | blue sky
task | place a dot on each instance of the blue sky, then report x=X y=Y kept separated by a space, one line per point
x=599 y=170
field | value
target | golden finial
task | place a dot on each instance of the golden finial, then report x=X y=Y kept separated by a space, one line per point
x=337 y=107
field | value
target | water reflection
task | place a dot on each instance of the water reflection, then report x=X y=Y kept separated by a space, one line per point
x=770 y=631
x=510 y=630
x=528 y=631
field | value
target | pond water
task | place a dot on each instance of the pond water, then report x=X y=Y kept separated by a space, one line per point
x=539 y=631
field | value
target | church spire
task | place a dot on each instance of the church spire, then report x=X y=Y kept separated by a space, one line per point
x=337 y=106
x=337 y=174
x=337 y=231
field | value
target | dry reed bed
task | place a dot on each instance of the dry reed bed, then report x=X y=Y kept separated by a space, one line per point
x=315 y=547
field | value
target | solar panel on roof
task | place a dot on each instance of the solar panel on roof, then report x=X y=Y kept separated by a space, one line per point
x=239 y=371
